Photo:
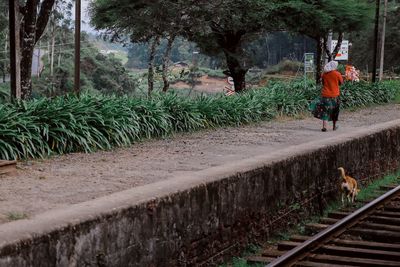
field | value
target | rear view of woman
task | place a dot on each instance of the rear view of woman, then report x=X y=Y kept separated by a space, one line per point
x=329 y=105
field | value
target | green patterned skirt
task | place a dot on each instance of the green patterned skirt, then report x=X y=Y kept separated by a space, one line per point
x=325 y=108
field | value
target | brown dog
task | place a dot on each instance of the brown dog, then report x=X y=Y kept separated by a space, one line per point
x=348 y=186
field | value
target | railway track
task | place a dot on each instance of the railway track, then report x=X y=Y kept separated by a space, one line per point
x=369 y=236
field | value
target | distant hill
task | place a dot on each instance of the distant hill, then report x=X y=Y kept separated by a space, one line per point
x=108 y=48
x=102 y=44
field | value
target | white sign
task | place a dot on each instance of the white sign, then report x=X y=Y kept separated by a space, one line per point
x=308 y=62
x=230 y=81
x=343 y=53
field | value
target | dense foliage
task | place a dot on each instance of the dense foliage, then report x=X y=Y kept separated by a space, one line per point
x=363 y=45
x=99 y=72
x=264 y=51
x=42 y=127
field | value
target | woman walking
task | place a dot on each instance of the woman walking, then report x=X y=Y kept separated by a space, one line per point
x=328 y=107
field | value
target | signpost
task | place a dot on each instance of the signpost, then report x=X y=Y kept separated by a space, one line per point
x=308 y=63
x=309 y=66
x=343 y=53
x=230 y=90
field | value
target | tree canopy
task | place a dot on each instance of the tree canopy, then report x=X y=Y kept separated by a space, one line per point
x=318 y=18
x=227 y=26
x=362 y=41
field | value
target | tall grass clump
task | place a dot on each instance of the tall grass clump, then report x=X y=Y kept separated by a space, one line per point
x=39 y=128
x=4 y=92
x=42 y=127
x=291 y=99
x=363 y=94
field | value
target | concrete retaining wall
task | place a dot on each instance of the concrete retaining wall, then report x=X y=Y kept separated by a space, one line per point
x=186 y=220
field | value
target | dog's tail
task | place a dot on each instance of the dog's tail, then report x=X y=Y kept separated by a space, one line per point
x=343 y=174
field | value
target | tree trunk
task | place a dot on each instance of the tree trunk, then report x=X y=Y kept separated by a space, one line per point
x=236 y=70
x=338 y=45
x=326 y=49
x=165 y=65
x=150 y=78
x=28 y=39
x=48 y=50
x=26 y=71
x=59 y=58
x=231 y=44
x=59 y=51
x=268 y=50
x=39 y=60
x=53 y=42
x=381 y=61
x=376 y=37
x=318 y=60
x=332 y=54
x=32 y=29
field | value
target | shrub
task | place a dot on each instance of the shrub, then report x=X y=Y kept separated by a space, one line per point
x=285 y=66
x=41 y=127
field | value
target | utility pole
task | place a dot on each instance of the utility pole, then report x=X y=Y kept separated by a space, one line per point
x=77 y=47
x=383 y=42
x=5 y=58
x=15 y=71
x=378 y=3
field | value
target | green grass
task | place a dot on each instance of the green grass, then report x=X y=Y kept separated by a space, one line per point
x=122 y=56
x=4 y=91
x=370 y=191
x=397 y=97
x=241 y=262
x=14 y=216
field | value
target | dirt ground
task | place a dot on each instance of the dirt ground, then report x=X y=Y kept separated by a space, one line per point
x=40 y=185
x=205 y=84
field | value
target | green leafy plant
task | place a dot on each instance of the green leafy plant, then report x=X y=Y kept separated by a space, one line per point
x=42 y=127
x=14 y=216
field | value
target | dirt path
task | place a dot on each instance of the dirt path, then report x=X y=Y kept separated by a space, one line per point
x=64 y=180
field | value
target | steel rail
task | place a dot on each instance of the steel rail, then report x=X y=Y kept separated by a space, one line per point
x=298 y=253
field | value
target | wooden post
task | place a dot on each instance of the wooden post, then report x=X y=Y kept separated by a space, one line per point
x=376 y=33
x=383 y=42
x=15 y=50
x=77 y=47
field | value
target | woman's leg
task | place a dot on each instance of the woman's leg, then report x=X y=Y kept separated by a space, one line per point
x=335 y=115
x=323 y=126
x=335 y=127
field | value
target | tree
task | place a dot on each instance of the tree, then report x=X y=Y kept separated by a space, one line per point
x=99 y=72
x=4 y=59
x=317 y=18
x=144 y=22
x=363 y=42
x=34 y=18
x=392 y=46
x=226 y=26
